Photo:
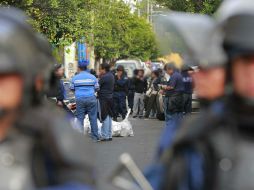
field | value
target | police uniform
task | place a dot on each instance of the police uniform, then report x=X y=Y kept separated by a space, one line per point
x=222 y=142
x=120 y=93
x=54 y=154
x=187 y=92
x=84 y=85
x=131 y=93
x=174 y=98
x=35 y=153
x=174 y=167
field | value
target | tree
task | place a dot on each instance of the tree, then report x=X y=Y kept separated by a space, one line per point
x=120 y=34
x=195 y=6
x=107 y=25
x=60 y=20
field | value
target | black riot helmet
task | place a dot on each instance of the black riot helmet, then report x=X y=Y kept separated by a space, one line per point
x=198 y=35
x=236 y=20
x=22 y=51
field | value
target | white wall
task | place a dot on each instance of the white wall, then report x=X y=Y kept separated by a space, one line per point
x=70 y=62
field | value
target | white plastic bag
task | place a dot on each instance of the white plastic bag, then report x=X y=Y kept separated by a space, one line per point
x=119 y=129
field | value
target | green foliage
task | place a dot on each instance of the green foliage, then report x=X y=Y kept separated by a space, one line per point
x=195 y=6
x=107 y=25
x=119 y=34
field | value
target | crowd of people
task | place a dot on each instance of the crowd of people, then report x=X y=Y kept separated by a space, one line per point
x=114 y=88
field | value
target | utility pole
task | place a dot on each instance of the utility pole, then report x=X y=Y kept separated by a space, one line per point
x=148 y=11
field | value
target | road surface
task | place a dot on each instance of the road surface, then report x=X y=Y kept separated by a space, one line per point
x=141 y=147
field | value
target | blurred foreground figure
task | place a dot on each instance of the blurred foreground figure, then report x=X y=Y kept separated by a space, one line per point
x=207 y=56
x=218 y=152
x=38 y=149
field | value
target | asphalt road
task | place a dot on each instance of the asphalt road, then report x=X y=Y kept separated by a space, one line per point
x=141 y=147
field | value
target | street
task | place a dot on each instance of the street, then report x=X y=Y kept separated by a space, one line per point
x=141 y=147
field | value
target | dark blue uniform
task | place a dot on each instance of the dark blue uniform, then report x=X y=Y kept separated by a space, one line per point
x=194 y=161
x=187 y=92
x=120 y=93
x=131 y=93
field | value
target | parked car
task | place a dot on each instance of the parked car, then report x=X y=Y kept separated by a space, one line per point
x=131 y=65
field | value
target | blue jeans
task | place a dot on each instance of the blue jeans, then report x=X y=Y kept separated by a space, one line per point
x=106 y=129
x=88 y=106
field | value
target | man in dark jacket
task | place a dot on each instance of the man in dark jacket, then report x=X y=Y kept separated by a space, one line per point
x=173 y=95
x=106 y=83
x=140 y=89
x=131 y=91
x=188 y=89
x=120 y=93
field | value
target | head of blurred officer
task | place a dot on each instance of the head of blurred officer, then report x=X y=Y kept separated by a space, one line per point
x=170 y=68
x=207 y=55
x=104 y=68
x=120 y=71
x=236 y=19
x=59 y=70
x=209 y=82
x=19 y=52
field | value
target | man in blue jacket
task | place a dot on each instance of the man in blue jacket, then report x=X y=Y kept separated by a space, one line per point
x=85 y=85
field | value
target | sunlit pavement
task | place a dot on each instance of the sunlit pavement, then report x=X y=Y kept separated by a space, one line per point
x=141 y=147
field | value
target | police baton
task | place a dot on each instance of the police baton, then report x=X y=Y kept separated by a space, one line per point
x=127 y=164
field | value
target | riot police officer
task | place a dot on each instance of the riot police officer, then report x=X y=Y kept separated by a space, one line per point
x=34 y=149
x=221 y=149
x=120 y=93
x=207 y=56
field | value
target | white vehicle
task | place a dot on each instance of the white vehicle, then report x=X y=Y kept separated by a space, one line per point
x=131 y=65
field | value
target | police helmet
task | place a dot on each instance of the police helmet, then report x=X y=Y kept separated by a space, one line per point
x=202 y=41
x=236 y=19
x=20 y=49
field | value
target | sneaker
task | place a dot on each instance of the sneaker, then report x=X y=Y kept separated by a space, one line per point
x=104 y=140
x=96 y=140
x=135 y=116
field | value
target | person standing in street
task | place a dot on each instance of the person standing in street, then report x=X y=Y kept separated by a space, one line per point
x=140 y=89
x=188 y=89
x=153 y=92
x=105 y=95
x=85 y=85
x=131 y=91
x=120 y=93
x=56 y=85
x=173 y=102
